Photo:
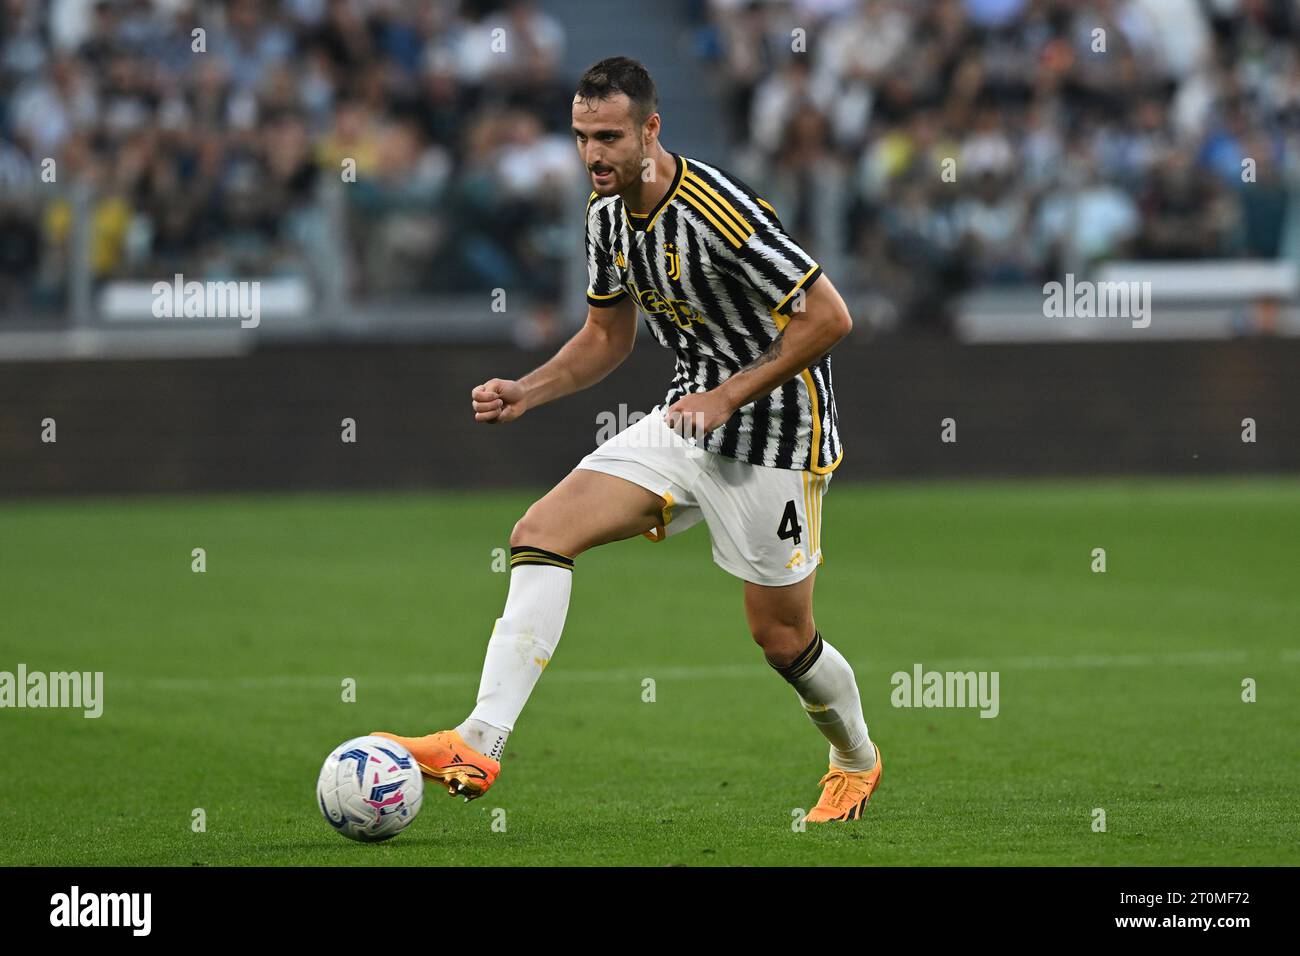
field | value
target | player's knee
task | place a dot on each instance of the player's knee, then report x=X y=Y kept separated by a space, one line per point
x=781 y=642
x=535 y=531
x=527 y=530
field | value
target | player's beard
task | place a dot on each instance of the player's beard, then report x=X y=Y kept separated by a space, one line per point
x=624 y=176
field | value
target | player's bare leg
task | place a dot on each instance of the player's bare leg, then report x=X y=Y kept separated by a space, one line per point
x=585 y=510
x=781 y=620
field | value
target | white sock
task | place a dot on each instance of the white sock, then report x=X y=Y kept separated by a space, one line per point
x=522 y=642
x=483 y=737
x=824 y=682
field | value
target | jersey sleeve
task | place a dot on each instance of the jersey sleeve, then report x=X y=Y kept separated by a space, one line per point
x=604 y=282
x=769 y=261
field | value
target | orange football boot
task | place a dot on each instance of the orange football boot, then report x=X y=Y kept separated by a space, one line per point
x=845 y=793
x=446 y=757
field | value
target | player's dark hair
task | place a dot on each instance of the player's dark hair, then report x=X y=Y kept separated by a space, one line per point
x=621 y=74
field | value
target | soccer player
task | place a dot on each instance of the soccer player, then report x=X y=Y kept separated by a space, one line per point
x=746 y=439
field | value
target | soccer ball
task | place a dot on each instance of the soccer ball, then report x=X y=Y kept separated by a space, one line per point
x=370 y=789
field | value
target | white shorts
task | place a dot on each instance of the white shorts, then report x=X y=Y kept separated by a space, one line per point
x=765 y=522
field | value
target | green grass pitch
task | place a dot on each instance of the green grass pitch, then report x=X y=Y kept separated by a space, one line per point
x=1120 y=691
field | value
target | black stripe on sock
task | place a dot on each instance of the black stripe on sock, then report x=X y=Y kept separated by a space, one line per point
x=803 y=663
x=525 y=554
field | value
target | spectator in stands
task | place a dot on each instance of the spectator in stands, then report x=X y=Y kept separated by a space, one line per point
x=1186 y=214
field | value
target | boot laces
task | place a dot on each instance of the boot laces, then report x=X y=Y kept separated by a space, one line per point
x=838 y=784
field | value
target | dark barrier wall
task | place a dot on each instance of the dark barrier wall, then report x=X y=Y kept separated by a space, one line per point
x=272 y=420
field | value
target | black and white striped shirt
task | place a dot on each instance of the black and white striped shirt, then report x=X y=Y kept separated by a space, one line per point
x=716 y=277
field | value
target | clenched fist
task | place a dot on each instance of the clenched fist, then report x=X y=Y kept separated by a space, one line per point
x=498 y=400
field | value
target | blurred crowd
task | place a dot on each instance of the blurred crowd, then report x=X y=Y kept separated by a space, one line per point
x=210 y=134
x=406 y=147
x=976 y=142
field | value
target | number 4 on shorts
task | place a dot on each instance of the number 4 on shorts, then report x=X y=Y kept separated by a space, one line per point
x=789 y=527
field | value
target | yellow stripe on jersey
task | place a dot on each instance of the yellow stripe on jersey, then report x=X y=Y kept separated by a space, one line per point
x=735 y=241
x=720 y=200
x=680 y=177
x=731 y=230
x=762 y=202
x=797 y=286
x=806 y=377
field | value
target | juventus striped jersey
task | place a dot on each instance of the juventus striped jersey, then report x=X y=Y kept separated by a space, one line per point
x=716 y=277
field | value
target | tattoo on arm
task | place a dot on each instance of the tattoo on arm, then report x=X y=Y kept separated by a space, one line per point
x=770 y=354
